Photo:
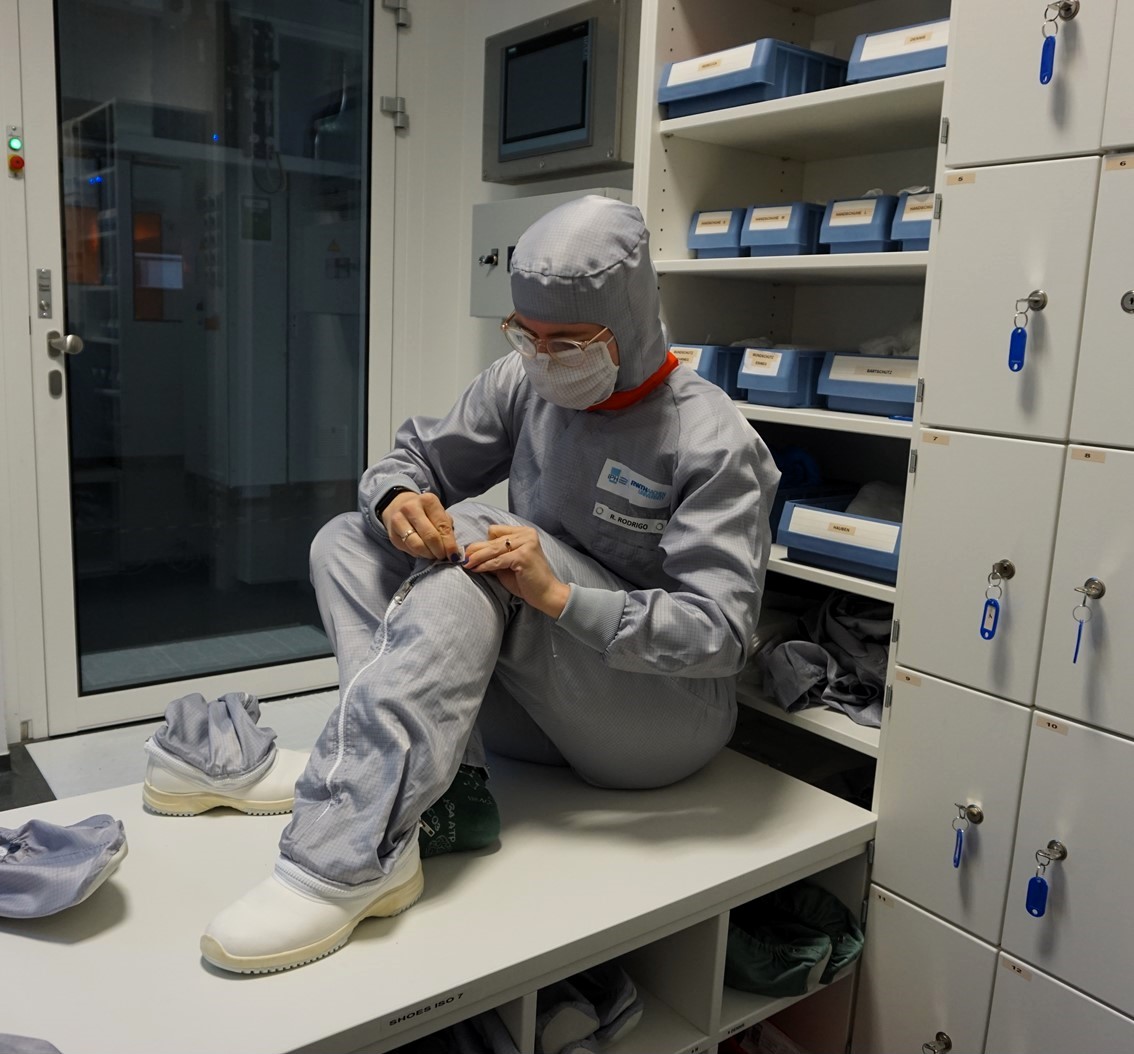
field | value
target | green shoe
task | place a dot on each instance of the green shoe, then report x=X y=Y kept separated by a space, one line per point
x=465 y=817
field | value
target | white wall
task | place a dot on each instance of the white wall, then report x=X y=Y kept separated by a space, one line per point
x=438 y=347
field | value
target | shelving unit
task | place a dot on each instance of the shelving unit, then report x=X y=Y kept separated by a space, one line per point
x=741 y=1010
x=877 y=116
x=828 y=724
x=828 y=420
x=862 y=587
x=871 y=268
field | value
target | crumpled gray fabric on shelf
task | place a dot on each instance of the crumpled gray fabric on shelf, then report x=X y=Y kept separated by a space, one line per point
x=841 y=664
x=905 y=344
x=880 y=501
x=45 y=868
x=221 y=737
x=10 y=1044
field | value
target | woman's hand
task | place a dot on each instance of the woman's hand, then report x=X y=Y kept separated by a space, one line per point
x=515 y=556
x=419 y=525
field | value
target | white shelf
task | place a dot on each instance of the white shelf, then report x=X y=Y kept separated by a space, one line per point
x=897 y=113
x=835 y=579
x=661 y=1028
x=870 y=268
x=831 y=420
x=830 y=724
x=741 y=1010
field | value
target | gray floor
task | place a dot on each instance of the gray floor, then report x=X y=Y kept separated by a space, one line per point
x=114 y=757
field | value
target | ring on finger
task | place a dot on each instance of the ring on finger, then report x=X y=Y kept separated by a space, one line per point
x=408 y=533
x=507 y=543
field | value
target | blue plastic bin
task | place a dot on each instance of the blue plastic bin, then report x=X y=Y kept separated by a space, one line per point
x=820 y=533
x=782 y=230
x=716 y=234
x=868 y=384
x=757 y=72
x=912 y=218
x=782 y=376
x=714 y=363
x=859 y=225
x=897 y=51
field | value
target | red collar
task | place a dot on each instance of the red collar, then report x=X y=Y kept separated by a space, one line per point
x=621 y=400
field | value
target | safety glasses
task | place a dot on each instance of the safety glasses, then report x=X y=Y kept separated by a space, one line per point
x=563 y=352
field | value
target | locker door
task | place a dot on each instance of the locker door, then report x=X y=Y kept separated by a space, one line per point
x=1006 y=232
x=1092 y=541
x=1078 y=789
x=1101 y=412
x=997 y=108
x=949 y=746
x=920 y=976
x=978 y=500
x=1118 y=124
x=1035 y=1014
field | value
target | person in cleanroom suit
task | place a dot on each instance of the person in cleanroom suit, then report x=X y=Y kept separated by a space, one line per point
x=599 y=623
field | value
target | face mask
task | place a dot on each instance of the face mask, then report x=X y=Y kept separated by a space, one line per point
x=574 y=387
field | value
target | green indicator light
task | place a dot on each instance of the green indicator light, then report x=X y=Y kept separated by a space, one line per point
x=15 y=143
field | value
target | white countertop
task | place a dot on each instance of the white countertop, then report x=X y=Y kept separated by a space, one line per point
x=580 y=874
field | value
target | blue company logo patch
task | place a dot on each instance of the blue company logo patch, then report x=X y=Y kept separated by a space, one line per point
x=619 y=479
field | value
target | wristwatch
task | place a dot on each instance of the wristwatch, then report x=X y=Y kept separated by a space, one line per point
x=386 y=498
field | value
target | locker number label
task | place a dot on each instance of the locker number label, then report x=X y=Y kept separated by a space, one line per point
x=1050 y=725
x=935 y=438
x=911 y=679
x=1119 y=163
x=1015 y=968
x=960 y=179
x=1079 y=454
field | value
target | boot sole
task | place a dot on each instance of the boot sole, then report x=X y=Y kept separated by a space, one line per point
x=386 y=906
x=197 y=802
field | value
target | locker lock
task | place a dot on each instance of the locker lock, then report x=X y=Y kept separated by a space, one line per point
x=971 y=812
x=1127 y=302
x=1004 y=569
x=940 y=1045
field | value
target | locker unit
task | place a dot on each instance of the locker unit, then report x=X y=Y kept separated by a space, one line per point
x=950 y=749
x=978 y=501
x=1087 y=677
x=1032 y=1012
x=1033 y=226
x=1078 y=786
x=998 y=109
x=1101 y=411
x=1118 y=121
x=921 y=977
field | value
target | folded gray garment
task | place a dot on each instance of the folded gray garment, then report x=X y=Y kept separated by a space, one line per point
x=220 y=738
x=485 y=1034
x=608 y=988
x=881 y=501
x=45 y=868
x=842 y=665
x=10 y=1044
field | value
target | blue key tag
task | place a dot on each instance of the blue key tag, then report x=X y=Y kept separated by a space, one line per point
x=958 y=847
x=1018 y=345
x=990 y=618
x=1037 y=896
x=1047 y=60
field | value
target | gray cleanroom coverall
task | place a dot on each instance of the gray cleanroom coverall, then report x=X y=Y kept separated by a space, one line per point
x=655 y=514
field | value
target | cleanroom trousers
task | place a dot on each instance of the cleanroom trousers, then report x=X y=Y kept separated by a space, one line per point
x=427 y=651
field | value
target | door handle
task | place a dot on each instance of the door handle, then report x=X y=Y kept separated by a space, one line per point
x=58 y=345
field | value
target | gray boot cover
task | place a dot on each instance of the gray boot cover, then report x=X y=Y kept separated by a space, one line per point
x=45 y=868
x=497 y=1038
x=10 y=1044
x=563 y=1017
x=219 y=738
x=609 y=989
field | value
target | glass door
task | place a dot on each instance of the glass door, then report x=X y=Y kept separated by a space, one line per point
x=199 y=178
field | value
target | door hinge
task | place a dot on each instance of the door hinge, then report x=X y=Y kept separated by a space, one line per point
x=895 y=631
x=913 y=462
x=25 y=731
x=395 y=106
x=401 y=11
x=870 y=852
x=864 y=912
x=919 y=395
x=944 y=126
x=888 y=698
x=937 y=206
